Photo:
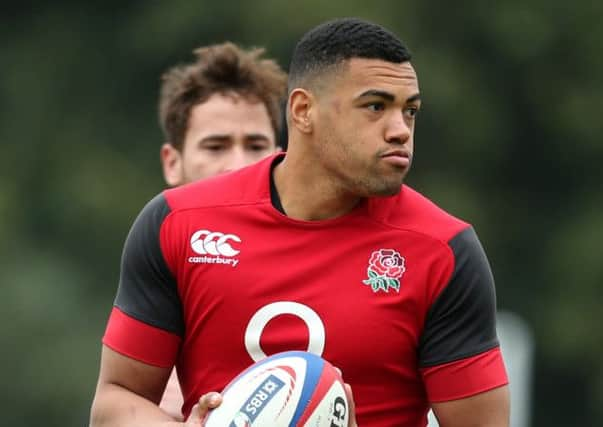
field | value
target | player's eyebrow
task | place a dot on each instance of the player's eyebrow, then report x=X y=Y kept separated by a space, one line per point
x=224 y=137
x=256 y=137
x=415 y=97
x=375 y=93
x=221 y=137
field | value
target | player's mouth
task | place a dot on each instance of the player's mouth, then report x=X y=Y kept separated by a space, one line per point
x=398 y=158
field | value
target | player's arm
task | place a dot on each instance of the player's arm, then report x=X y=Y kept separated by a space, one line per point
x=459 y=353
x=128 y=392
x=172 y=399
x=487 y=409
x=352 y=406
x=144 y=331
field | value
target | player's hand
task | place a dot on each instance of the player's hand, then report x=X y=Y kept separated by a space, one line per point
x=199 y=412
x=213 y=400
x=350 y=397
x=352 y=410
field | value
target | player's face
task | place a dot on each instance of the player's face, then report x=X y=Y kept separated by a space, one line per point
x=365 y=126
x=224 y=133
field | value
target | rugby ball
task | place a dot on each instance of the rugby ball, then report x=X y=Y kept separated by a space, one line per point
x=289 y=389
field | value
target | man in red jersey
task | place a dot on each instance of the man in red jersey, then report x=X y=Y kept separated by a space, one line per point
x=322 y=249
x=218 y=114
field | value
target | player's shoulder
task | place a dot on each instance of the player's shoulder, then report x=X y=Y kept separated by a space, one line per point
x=249 y=185
x=412 y=211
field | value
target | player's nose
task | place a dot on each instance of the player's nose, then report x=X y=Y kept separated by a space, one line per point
x=397 y=130
x=237 y=159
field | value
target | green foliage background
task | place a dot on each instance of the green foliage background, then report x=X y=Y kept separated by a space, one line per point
x=509 y=139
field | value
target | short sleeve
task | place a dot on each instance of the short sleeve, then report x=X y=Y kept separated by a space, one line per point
x=147 y=321
x=459 y=338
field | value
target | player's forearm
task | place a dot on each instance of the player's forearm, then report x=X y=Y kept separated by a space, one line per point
x=487 y=409
x=489 y=423
x=114 y=406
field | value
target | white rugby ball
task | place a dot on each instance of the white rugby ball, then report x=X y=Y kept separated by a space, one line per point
x=289 y=389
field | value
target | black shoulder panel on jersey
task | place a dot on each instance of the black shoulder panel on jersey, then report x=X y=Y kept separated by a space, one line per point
x=147 y=289
x=462 y=320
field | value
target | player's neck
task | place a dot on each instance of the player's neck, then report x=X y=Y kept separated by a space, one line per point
x=307 y=195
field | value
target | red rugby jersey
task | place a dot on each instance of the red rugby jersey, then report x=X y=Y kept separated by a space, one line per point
x=398 y=294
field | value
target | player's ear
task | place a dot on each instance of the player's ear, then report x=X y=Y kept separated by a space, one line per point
x=301 y=105
x=171 y=163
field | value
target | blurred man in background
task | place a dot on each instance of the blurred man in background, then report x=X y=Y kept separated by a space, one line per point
x=218 y=114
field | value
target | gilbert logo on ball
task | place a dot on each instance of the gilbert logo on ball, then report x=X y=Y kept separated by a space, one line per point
x=289 y=389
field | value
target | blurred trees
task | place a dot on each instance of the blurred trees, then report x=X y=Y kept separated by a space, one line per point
x=509 y=139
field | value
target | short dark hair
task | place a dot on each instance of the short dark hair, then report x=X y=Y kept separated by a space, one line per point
x=333 y=42
x=221 y=68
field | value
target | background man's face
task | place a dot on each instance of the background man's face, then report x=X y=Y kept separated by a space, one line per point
x=224 y=133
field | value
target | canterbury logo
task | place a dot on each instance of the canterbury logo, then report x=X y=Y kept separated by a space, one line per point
x=205 y=242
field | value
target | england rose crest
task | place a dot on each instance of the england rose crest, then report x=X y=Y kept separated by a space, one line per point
x=385 y=270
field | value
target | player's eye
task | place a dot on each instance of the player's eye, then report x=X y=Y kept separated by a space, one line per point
x=411 y=112
x=258 y=147
x=214 y=147
x=375 y=106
